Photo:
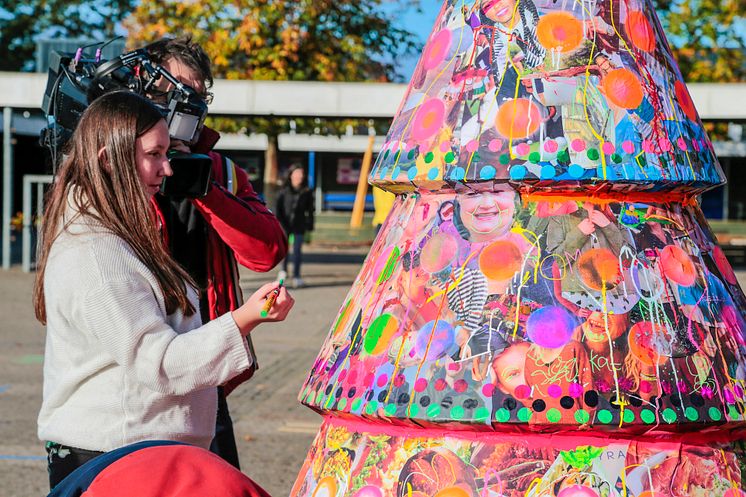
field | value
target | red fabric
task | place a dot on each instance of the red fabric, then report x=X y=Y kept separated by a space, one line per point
x=171 y=471
x=208 y=137
x=242 y=221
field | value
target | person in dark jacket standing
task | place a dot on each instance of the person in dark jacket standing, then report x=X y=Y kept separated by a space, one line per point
x=295 y=211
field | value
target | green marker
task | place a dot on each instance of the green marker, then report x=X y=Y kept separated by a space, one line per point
x=271 y=300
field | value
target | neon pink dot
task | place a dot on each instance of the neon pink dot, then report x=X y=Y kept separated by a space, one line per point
x=628 y=147
x=739 y=391
x=495 y=145
x=578 y=145
x=728 y=394
x=682 y=144
x=575 y=390
x=440 y=384
x=645 y=387
x=460 y=386
x=488 y=389
x=399 y=380
x=647 y=146
x=665 y=144
x=472 y=146
x=554 y=391
x=696 y=146
x=368 y=379
x=445 y=146
x=608 y=148
x=352 y=376
x=522 y=149
x=453 y=367
x=522 y=391
x=342 y=374
x=551 y=146
x=382 y=380
x=420 y=385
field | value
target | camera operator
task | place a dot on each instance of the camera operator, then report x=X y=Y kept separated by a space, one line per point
x=209 y=235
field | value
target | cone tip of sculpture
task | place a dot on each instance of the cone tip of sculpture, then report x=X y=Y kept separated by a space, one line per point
x=551 y=94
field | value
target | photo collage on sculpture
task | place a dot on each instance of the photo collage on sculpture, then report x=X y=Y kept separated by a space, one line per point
x=545 y=92
x=484 y=307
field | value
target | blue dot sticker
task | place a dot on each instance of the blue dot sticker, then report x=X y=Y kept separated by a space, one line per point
x=608 y=170
x=433 y=173
x=411 y=173
x=548 y=172
x=382 y=172
x=396 y=172
x=458 y=173
x=518 y=172
x=487 y=172
x=576 y=171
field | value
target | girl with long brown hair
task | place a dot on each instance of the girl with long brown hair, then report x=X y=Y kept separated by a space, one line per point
x=127 y=357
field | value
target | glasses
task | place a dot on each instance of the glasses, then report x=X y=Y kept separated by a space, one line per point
x=161 y=96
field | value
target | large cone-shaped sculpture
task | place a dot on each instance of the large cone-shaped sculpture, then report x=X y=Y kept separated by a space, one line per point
x=545 y=311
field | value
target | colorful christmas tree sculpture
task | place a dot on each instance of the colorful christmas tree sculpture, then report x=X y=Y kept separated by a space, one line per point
x=545 y=311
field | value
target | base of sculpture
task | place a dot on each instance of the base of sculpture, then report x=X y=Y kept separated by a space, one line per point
x=365 y=460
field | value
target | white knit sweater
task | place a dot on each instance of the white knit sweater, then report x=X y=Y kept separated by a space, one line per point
x=117 y=368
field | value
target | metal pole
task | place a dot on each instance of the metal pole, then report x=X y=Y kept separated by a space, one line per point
x=26 y=237
x=28 y=213
x=7 y=185
x=319 y=194
x=726 y=190
x=311 y=169
x=312 y=183
x=39 y=199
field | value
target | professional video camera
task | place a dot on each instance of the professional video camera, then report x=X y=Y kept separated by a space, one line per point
x=74 y=82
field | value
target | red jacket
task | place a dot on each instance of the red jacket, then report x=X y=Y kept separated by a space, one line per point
x=240 y=228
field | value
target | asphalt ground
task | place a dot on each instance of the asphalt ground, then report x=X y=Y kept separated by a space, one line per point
x=273 y=430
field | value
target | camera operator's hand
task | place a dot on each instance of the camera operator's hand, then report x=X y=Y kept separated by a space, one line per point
x=179 y=146
x=248 y=316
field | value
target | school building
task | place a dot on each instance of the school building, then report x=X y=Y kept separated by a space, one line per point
x=333 y=162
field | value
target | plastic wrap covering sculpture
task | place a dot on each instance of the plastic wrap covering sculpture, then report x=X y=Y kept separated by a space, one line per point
x=545 y=311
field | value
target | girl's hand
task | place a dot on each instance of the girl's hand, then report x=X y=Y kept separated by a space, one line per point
x=248 y=316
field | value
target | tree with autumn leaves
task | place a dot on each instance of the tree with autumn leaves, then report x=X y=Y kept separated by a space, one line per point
x=23 y=21
x=707 y=37
x=324 y=40
x=302 y=40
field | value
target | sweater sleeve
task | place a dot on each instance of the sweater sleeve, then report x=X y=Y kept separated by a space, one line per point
x=131 y=326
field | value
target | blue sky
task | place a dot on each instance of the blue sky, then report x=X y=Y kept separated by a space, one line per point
x=420 y=23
